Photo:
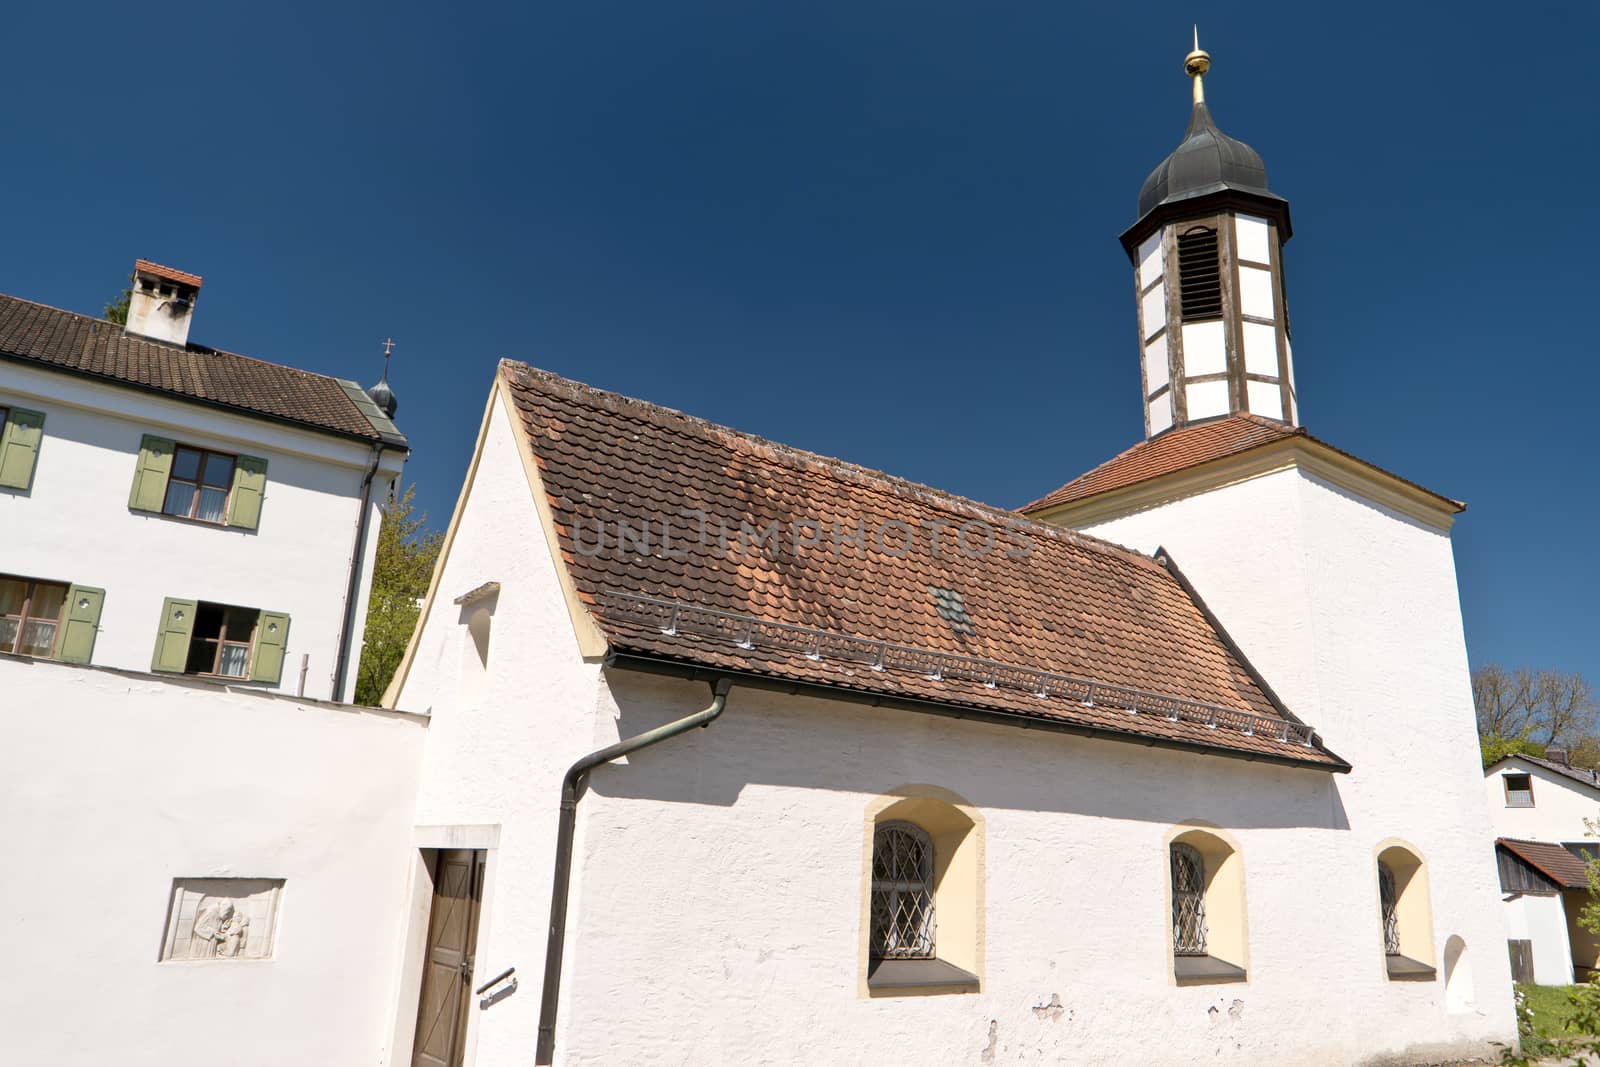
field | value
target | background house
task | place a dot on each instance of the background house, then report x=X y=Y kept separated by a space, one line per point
x=208 y=513
x=1543 y=813
x=218 y=862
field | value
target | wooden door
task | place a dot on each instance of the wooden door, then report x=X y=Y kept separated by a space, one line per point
x=1521 y=960
x=447 y=969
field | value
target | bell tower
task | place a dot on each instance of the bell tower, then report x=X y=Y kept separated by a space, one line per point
x=1207 y=251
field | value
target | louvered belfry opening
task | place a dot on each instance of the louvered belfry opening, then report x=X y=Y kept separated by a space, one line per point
x=1199 y=275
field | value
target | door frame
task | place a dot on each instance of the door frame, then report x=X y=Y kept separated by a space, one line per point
x=412 y=950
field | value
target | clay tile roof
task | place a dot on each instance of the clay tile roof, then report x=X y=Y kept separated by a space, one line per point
x=173 y=274
x=1192 y=446
x=859 y=575
x=61 y=340
x=1555 y=862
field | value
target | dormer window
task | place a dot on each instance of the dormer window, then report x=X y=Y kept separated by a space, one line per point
x=1199 y=275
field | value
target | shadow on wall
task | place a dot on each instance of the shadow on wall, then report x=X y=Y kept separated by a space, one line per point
x=804 y=742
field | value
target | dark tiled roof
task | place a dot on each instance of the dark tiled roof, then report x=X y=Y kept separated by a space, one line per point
x=1058 y=601
x=1555 y=862
x=1580 y=775
x=1191 y=446
x=61 y=340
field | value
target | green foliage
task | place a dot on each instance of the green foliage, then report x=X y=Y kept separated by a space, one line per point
x=1495 y=749
x=117 y=310
x=401 y=570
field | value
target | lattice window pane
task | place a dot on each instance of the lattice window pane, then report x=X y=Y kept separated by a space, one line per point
x=1387 y=900
x=902 y=892
x=1188 y=901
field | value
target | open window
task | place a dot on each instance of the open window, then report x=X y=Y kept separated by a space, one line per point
x=221 y=641
x=1519 y=790
x=48 y=620
x=1210 y=941
x=922 y=914
x=1405 y=914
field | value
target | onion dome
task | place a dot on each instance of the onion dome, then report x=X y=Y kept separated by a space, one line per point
x=384 y=397
x=1207 y=161
x=1207 y=171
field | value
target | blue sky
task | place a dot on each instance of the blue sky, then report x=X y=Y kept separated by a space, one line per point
x=882 y=231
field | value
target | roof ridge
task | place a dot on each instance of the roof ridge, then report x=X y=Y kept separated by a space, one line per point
x=193 y=349
x=868 y=474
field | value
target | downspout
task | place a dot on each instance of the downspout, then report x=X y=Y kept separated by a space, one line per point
x=342 y=661
x=571 y=790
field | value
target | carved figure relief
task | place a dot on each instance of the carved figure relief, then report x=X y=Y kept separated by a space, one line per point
x=221 y=918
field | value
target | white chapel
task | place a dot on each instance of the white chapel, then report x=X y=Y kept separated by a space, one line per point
x=741 y=754
x=708 y=750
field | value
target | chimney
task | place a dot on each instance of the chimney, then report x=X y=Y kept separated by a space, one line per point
x=162 y=303
x=1557 y=755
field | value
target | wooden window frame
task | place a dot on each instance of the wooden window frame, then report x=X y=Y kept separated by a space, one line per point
x=27 y=603
x=216 y=659
x=199 y=483
x=1505 y=781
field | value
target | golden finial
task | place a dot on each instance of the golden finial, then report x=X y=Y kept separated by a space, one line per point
x=1195 y=64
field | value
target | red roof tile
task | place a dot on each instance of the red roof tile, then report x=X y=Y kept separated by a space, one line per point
x=172 y=274
x=1057 y=601
x=1555 y=862
x=1192 y=446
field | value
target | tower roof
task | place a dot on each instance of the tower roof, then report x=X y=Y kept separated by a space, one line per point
x=1207 y=161
x=1207 y=169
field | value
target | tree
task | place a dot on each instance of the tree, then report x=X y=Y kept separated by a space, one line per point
x=117 y=310
x=1495 y=749
x=401 y=569
x=1551 y=706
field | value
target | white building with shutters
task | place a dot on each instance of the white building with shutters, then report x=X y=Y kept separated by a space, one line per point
x=174 y=508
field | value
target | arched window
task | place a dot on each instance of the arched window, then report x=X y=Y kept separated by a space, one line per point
x=1387 y=907
x=1199 y=275
x=1188 y=901
x=1210 y=937
x=902 y=892
x=921 y=918
x=1405 y=913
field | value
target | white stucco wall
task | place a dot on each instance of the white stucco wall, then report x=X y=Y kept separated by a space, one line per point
x=497 y=758
x=112 y=785
x=715 y=915
x=1542 y=920
x=74 y=525
x=1560 y=805
x=1350 y=609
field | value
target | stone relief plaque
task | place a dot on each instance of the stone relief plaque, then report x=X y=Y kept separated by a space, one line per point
x=222 y=918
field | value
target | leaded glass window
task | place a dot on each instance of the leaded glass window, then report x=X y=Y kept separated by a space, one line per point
x=1188 y=901
x=1386 y=905
x=902 y=892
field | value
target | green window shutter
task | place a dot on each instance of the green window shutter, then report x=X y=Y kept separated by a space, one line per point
x=150 y=479
x=19 y=447
x=272 y=632
x=249 y=485
x=82 y=622
x=172 y=644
